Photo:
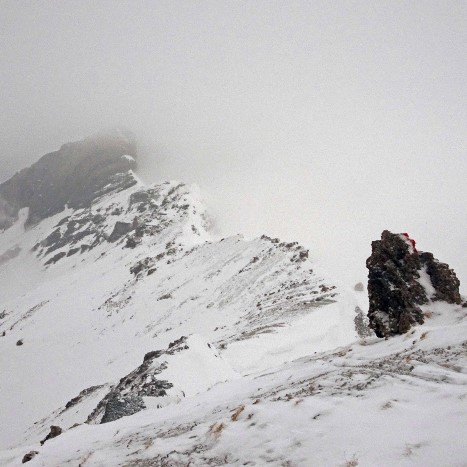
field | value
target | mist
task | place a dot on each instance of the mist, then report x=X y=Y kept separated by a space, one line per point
x=322 y=122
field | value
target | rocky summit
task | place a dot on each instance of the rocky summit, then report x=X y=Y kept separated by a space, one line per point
x=73 y=176
x=131 y=335
x=400 y=280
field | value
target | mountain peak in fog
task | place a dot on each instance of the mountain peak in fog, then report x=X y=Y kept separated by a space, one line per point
x=74 y=175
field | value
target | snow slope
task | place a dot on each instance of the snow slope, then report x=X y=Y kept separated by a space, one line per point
x=193 y=350
x=89 y=304
x=374 y=402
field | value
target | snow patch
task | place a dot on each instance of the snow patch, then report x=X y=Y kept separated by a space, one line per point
x=128 y=158
x=425 y=282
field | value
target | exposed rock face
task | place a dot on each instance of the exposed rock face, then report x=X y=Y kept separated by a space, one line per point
x=130 y=220
x=74 y=175
x=443 y=279
x=118 y=407
x=120 y=229
x=54 y=432
x=394 y=286
x=126 y=398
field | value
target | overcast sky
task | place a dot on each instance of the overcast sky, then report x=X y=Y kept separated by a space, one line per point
x=319 y=121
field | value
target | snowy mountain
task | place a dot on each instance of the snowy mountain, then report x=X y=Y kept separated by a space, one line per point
x=148 y=341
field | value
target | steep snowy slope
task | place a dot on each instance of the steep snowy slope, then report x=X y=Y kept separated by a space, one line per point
x=86 y=293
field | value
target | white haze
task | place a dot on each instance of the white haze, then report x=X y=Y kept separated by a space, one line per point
x=323 y=122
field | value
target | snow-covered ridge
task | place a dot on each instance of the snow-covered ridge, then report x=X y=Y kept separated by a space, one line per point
x=129 y=218
x=134 y=271
x=149 y=342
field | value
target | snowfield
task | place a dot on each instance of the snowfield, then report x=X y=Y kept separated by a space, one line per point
x=272 y=371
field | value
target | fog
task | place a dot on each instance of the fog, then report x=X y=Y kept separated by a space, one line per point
x=319 y=121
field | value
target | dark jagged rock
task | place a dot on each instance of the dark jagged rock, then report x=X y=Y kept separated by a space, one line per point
x=118 y=407
x=140 y=197
x=54 y=432
x=87 y=228
x=443 y=279
x=54 y=237
x=71 y=232
x=131 y=243
x=84 y=248
x=74 y=175
x=120 y=229
x=72 y=251
x=126 y=398
x=394 y=288
x=55 y=258
x=29 y=456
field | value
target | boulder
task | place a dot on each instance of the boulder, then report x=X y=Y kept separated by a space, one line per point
x=29 y=456
x=54 y=432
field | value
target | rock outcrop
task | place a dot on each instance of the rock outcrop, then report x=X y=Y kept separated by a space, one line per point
x=74 y=176
x=126 y=398
x=165 y=377
x=128 y=221
x=396 y=289
x=54 y=432
x=443 y=279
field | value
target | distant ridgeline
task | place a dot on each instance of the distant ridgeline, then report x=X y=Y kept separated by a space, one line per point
x=74 y=175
